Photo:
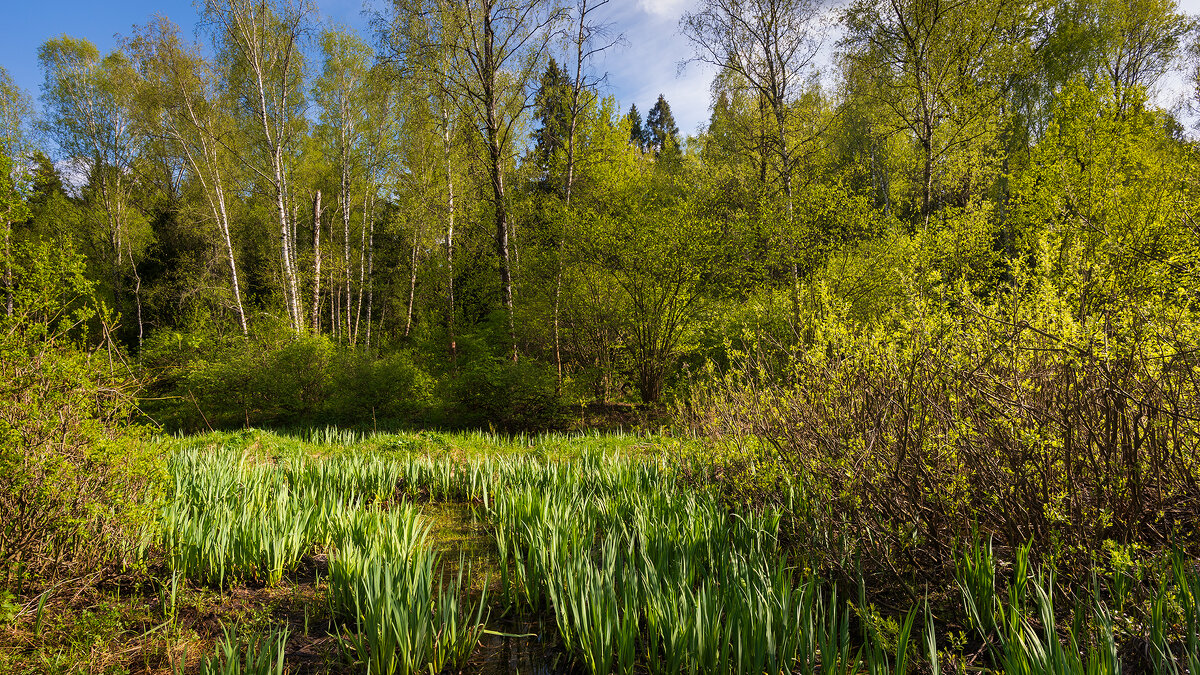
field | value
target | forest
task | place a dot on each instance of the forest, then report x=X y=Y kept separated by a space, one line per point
x=892 y=366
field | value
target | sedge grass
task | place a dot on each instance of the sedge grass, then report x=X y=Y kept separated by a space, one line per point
x=239 y=654
x=398 y=616
x=635 y=573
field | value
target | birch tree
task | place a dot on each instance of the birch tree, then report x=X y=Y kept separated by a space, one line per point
x=587 y=39
x=181 y=93
x=89 y=104
x=769 y=46
x=940 y=69
x=766 y=49
x=430 y=91
x=259 y=46
x=383 y=136
x=341 y=93
x=488 y=53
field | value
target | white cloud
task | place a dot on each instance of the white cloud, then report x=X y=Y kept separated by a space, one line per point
x=648 y=64
x=671 y=8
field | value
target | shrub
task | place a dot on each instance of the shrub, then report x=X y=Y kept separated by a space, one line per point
x=72 y=487
x=1013 y=419
x=368 y=390
x=494 y=390
x=278 y=379
x=296 y=379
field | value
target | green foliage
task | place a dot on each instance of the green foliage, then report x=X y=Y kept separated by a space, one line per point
x=637 y=566
x=656 y=252
x=952 y=300
x=1026 y=378
x=948 y=141
x=611 y=547
x=12 y=203
x=907 y=417
x=492 y=390
x=228 y=381
x=72 y=483
x=637 y=134
x=16 y=115
x=239 y=654
x=1102 y=207
x=389 y=388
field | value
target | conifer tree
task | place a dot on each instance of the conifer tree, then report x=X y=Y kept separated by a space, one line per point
x=550 y=109
x=662 y=132
x=637 y=133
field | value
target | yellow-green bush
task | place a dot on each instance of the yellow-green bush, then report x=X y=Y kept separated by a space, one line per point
x=1032 y=375
x=73 y=484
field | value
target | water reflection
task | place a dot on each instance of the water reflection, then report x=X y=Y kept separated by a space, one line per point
x=529 y=647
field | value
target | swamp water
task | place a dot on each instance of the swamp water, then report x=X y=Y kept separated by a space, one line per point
x=513 y=644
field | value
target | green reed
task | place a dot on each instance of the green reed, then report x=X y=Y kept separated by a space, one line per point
x=238 y=655
x=397 y=614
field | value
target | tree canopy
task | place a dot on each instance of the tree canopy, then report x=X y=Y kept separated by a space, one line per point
x=457 y=186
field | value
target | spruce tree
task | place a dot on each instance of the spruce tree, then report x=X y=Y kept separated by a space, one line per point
x=660 y=126
x=637 y=133
x=551 y=110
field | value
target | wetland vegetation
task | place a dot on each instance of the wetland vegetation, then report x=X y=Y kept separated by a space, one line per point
x=340 y=551
x=414 y=351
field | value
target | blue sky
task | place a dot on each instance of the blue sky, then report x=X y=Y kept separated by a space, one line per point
x=637 y=72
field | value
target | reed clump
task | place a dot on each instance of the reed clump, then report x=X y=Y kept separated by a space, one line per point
x=640 y=568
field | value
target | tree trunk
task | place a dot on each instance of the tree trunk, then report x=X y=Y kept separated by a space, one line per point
x=362 y=266
x=275 y=141
x=496 y=168
x=289 y=267
x=346 y=234
x=137 y=297
x=237 y=288
x=412 y=288
x=370 y=273
x=558 y=278
x=576 y=89
x=762 y=139
x=316 y=306
x=117 y=219
x=502 y=244
x=114 y=226
x=927 y=171
x=449 y=231
x=8 y=275
x=791 y=222
x=215 y=194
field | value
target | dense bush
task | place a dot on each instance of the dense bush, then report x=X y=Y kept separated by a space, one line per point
x=201 y=379
x=1048 y=394
x=390 y=388
x=489 y=389
x=73 y=485
x=998 y=419
x=280 y=380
